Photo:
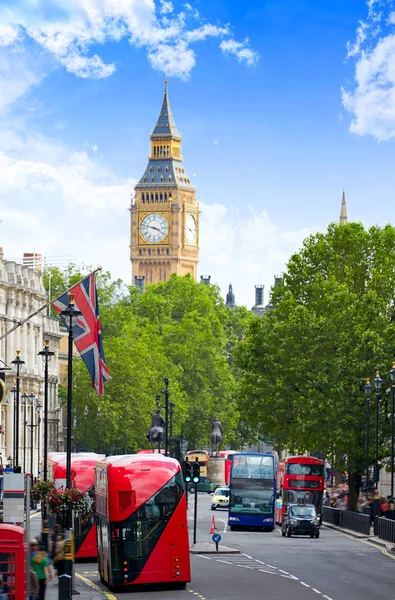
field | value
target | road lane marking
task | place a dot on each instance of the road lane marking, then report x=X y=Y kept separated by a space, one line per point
x=92 y=585
x=227 y=562
x=195 y=593
x=316 y=591
x=259 y=561
x=206 y=557
x=281 y=571
x=270 y=566
x=247 y=555
x=303 y=583
x=327 y=597
x=244 y=566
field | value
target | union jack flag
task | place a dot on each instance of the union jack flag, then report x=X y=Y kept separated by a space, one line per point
x=87 y=332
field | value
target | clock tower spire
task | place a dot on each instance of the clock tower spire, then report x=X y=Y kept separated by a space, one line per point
x=165 y=212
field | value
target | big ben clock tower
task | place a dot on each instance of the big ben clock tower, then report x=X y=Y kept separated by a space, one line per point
x=164 y=211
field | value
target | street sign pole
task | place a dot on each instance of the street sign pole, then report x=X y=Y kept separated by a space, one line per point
x=195 y=514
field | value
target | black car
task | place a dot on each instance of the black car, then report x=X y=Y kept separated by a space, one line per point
x=300 y=519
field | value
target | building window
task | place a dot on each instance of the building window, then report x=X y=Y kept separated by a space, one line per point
x=167 y=251
x=149 y=251
x=161 y=197
x=161 y=177
x=156 y=197
x=140 y=252
x=167 y=169
x=144 y=179
x=150 y=169
x=158 y=169
x=152 y=197
x=169 y=177
x=152 y=179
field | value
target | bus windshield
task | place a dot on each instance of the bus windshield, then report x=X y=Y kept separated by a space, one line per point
x=253 y=467
x=304 y=469
x=251 y=500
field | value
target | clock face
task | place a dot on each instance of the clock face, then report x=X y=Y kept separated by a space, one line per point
x=190 y=229
x=154 y=228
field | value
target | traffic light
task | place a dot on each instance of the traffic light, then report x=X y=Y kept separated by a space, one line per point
x=187 y=471
x=196 y=471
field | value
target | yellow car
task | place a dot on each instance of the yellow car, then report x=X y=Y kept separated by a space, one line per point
x=220 y=498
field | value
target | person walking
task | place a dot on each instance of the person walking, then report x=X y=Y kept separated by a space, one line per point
x=58 y=559
x=33 y=585
x=40 y=565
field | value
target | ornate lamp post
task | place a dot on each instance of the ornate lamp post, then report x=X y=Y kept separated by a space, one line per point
x=32 y=397
x=166 y=394
x=70 y=316
x=46 y=354
x=86 y=412
x=392 y=375
x=13 y=391
x=57 y=411
x=377 y=382
x=368 y=391
x=38 y=410
x=24 y=397
x=18 y=362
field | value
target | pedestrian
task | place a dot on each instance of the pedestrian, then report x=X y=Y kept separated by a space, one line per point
x=54 y=536
x=3 y=595
x=58 y=559
x=33 y=585
x=40 y=565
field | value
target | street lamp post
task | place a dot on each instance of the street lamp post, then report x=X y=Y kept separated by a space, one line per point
x=368 y=391
x=13 y=391
x=32 y=426
x=392 y=375
x=57 y=411
x=70 y=316
x=86 y=412
x=38 y=409
x=166 y=393
x=98 y=429
x=46 y=354
x=24 y=397
x=171 y=411
x=377 y=382
x=18 y=362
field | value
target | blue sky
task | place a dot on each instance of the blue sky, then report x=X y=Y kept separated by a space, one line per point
x=281 y=105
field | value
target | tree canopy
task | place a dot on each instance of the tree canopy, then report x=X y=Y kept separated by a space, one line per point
x=177 y=329
x=305 y=362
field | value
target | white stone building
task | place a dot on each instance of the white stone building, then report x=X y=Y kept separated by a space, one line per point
x=21 y=294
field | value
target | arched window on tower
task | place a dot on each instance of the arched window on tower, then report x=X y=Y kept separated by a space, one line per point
x=165 y=197
x=169 y=177
x=161 y=177
x=156 y=197
x=161 y=197
x=143 y=197
x=155 y=151
x=152 y=197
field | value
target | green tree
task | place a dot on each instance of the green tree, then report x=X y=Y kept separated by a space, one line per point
x=304 y=364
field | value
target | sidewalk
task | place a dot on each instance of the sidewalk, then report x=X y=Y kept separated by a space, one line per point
x=373 y=539
x=83 y=591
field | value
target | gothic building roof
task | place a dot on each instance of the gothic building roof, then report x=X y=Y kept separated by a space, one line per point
x=166 y=126
x=165 y=172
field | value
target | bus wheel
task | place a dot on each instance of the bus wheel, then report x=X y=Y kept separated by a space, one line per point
x=317 y=535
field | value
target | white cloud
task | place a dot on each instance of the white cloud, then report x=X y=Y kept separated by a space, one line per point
x=166 y=7
x=244 y=250
x=63 y=203
x=241 y=51
x=68 y=31
x=372 y=100
x=8 y=35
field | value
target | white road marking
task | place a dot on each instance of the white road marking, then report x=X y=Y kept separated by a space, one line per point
x=305 y=584
x=244 y=566
x=224 y=561
x=316 y=591
x=327 y=597
x=281 y=571
x=259 y=561
x=250 y=557
x=206 y=557
x=270 y=566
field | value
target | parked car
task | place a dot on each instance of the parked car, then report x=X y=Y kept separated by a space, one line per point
x=220 y=498
x=300 y=519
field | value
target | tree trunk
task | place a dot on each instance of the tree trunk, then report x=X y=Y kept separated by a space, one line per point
x=354 y=486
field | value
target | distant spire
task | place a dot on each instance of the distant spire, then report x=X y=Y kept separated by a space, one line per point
x=343 y=210
x=230 y=298
x=166 y=126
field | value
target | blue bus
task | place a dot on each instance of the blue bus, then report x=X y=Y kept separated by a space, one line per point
x=252 y=491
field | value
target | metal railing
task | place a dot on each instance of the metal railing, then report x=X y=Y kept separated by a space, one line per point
x=331 y=515
x=355 y=521
x=386 y=529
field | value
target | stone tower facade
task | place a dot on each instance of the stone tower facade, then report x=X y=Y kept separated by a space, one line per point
x=165 y=212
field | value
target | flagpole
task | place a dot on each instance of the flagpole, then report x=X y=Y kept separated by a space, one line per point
x=20 y=323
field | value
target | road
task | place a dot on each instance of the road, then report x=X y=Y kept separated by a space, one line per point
x=335 y=567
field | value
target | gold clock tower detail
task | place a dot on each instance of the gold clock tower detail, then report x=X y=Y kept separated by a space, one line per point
x=165 y=212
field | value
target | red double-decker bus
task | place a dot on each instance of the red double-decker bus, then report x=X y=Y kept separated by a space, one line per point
x=141 y=517
x=300 y=479
x=82 y=477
